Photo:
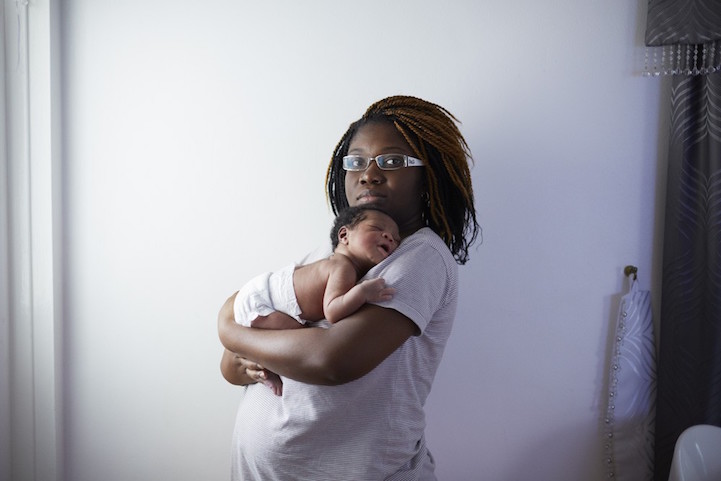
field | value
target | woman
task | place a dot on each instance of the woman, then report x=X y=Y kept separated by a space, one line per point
x=353 y=395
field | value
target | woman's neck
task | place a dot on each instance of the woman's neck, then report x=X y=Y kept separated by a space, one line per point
x=410 y=227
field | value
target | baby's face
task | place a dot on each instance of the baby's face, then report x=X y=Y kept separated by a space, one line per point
x=374 y=238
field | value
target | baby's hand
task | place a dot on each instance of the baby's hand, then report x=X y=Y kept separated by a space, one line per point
x=376 y=290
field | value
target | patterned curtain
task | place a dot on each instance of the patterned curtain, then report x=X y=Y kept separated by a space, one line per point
x=684 y=39
x=686 y=36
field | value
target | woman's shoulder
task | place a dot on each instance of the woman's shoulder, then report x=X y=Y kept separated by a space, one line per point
x=424 y=274
x=425 y=234
x=423 y=253
x=427 y=241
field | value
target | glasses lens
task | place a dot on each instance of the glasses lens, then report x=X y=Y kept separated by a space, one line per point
x=391 y=161
x=355 y=162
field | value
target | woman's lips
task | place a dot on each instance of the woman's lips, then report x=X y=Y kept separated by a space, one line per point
x=368 y=196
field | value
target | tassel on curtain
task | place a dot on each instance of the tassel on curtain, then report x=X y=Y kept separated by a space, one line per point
x=680 y=59
x=684 y=38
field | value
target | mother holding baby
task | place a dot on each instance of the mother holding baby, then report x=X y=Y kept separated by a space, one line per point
x=353 y=393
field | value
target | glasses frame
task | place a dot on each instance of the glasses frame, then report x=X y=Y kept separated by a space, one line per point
x=408 y=161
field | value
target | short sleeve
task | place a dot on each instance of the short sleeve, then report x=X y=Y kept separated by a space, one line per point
x=424 y=275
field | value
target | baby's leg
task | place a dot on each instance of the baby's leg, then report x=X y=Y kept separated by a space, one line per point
x=275 y=320
x=254 y=307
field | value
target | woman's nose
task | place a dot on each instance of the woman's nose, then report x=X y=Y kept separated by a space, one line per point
x=372 y=175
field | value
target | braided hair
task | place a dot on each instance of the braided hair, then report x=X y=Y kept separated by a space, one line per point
x=432 y=134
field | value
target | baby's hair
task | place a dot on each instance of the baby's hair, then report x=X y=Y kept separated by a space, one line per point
x=432 y=134
x=350 y=217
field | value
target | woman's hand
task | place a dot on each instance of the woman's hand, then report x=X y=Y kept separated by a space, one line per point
x=241 y=371
x=252 y=369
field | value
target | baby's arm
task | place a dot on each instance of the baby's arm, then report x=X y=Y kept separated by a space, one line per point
x=343 y=296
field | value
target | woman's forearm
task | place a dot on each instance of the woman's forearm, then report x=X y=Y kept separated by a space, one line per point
x=344 y=352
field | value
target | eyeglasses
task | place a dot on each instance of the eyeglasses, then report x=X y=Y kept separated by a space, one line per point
x=357 y=163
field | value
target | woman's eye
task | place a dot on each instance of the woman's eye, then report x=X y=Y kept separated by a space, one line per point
x=393 y=161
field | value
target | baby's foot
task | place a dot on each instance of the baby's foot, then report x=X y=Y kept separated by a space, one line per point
x=274 y=382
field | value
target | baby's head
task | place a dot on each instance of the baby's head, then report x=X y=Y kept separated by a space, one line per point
x=365 y=230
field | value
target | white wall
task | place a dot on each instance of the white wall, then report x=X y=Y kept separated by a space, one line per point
x=196 y=140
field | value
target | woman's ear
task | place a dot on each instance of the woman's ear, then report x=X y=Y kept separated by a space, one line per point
x=343 y=235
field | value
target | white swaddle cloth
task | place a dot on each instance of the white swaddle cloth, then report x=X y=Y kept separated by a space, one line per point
x=631 y=408
x=265 y=293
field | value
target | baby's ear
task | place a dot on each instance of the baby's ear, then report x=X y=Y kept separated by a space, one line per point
x=343 y=235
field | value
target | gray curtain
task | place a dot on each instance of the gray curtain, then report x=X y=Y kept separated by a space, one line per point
x=688 y=33
x=689 y=362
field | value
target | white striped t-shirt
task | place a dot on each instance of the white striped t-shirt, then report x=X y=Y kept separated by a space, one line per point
x=371 y=428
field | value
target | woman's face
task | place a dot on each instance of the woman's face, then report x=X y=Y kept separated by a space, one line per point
x=397 y=192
